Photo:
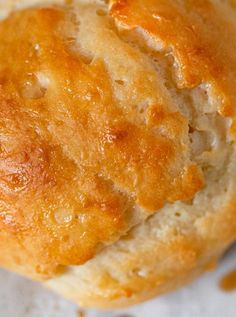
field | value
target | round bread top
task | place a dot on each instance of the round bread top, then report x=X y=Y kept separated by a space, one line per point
x=93 y=140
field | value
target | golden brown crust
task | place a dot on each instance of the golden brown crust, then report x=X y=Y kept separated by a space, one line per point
x=73 y=165
x=191 y=29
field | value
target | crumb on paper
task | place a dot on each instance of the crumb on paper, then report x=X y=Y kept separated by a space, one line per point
x=80 y=313
x=228 y=282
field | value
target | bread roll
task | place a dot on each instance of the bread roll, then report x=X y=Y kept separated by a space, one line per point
x=117 y=144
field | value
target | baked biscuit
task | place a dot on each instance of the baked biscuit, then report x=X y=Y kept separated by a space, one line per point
x=117 y=131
